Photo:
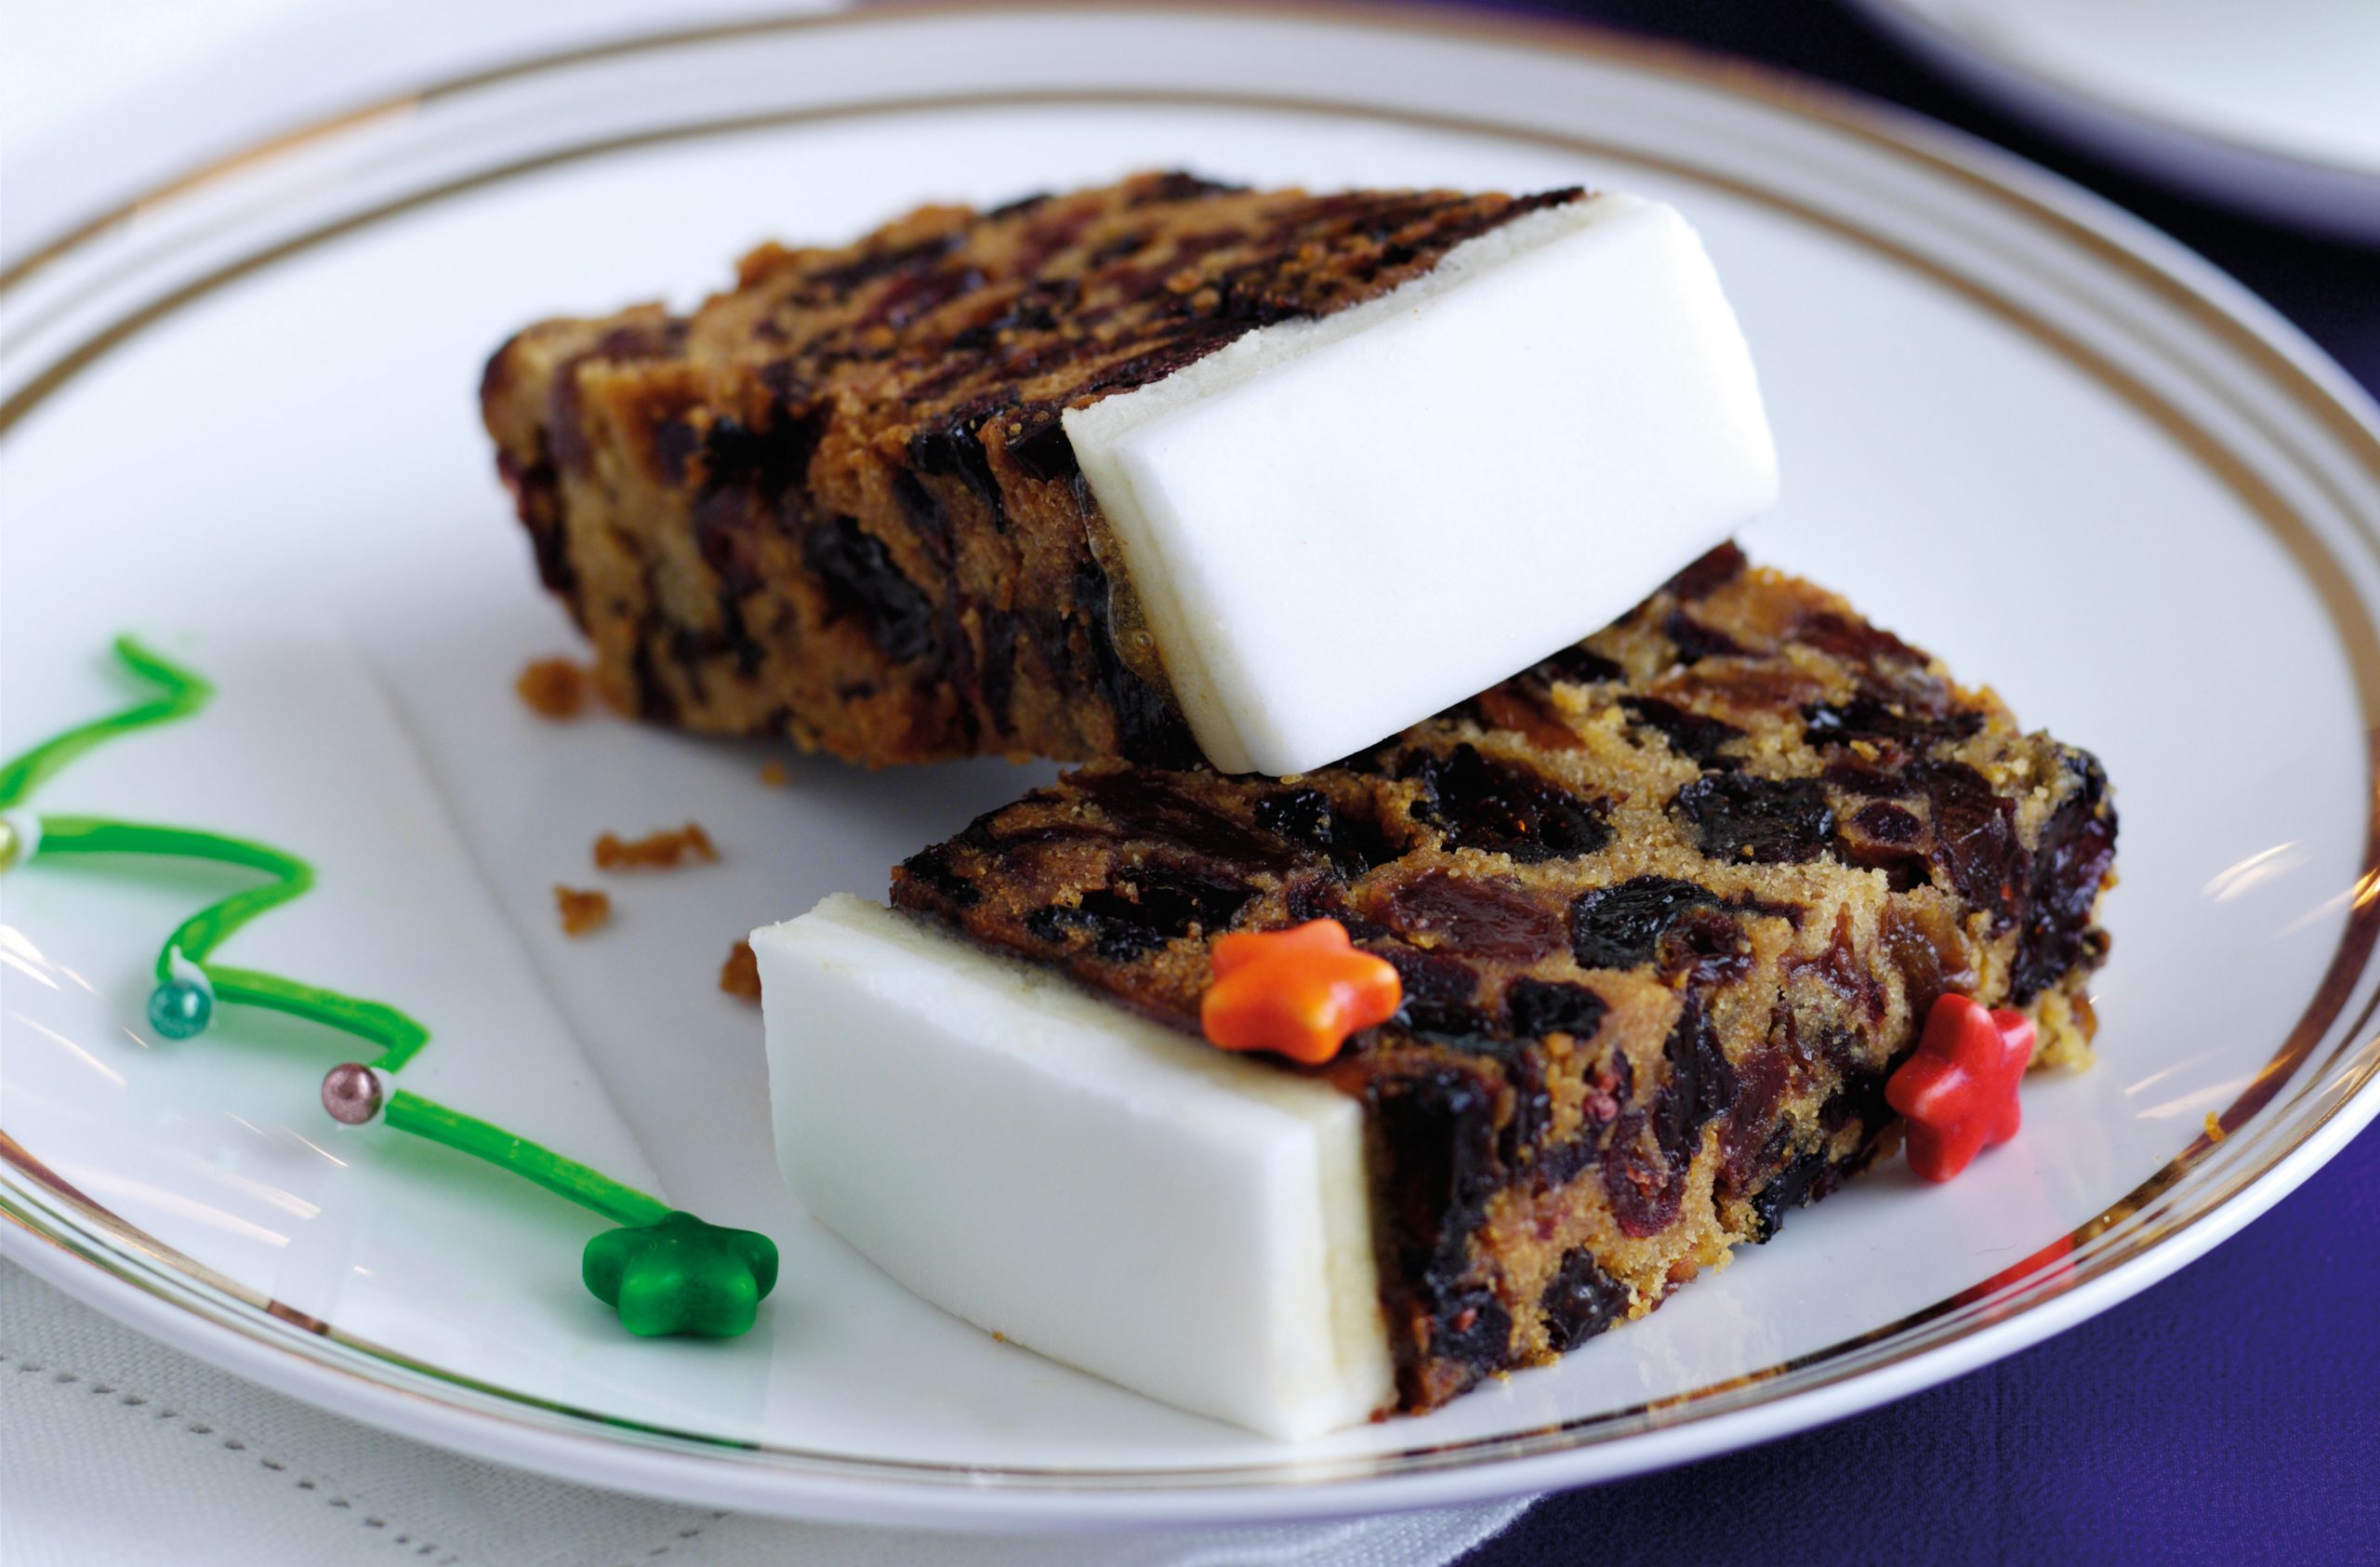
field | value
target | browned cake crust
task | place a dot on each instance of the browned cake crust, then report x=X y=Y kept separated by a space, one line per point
x=1668 y=908
x=835 y=504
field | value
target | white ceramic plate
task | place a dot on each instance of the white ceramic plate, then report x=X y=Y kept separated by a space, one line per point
x=239 y=420
x=2271 y=107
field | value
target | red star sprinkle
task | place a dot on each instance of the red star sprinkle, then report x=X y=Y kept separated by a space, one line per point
x=1959 y=1092
x=1299 y=993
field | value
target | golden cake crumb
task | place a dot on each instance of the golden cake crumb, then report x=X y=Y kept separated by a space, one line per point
x=657 y=851
x=555 y=688
x=775 y=775
x=2215 y=1131
x=582 y=909
x=740 y=975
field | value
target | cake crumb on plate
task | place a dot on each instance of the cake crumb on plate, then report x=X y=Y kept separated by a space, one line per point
x=740 y=975
x=657 y=851
x=554 y=689
x=582 y=909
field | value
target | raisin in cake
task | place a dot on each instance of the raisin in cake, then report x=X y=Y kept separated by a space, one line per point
x=1154 y=471
x=1667 y=908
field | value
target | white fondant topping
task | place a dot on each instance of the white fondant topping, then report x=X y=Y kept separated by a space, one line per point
x=1338 y=528
x=1191 y=1224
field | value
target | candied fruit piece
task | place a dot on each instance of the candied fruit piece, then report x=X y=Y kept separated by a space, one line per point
x=1581 y=1301
x=1578 y=666
x=1707 y=573
x=1890 y=838
x=1144 y=907
x=1701 y=1081
x=1696 y=641
x=1482 y=804
x=1552 y=1007
x=1870 y=716
x=1513 y=706
x=1621 y=926
x=1974 y=836
x=1766 y=821
x=1473 y=1329
x=861 y=580
x=1644 y=1188
x=1795 y=1186
x=1150 y=806
x=1701 y=740
x=1436 y=977
x=1352 y=842
x=2077 y=850
x=1708 y=946
x=1468 y=915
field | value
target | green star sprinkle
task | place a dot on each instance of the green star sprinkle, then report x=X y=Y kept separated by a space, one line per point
x=682 y=1276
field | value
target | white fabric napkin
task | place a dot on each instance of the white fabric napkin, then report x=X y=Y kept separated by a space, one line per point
x=114 y=1449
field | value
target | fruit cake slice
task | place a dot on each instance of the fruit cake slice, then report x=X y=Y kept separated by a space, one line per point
x=1666 y=910
x=1150 y=471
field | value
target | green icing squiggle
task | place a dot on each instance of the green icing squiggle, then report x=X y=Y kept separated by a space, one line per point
x=589 y=1188
x=189 y=983
x=399 y=1036
x=182 y=693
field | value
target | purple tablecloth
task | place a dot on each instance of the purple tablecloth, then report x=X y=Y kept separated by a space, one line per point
x=2230 y=1414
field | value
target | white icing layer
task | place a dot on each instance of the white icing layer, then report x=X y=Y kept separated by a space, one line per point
x=1338 y=528
x=1190 y=1223
x=189 y=973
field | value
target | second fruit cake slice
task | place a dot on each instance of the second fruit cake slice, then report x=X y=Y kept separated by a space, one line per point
x=1666 y=908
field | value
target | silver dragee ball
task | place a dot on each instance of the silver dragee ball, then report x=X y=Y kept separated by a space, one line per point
x=352 y=1093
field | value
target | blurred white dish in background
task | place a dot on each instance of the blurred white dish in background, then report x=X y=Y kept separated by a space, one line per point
x=2272 y=106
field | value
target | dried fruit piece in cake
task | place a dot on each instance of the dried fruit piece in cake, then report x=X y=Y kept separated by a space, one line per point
x=1150 y=471
x=1666 y=910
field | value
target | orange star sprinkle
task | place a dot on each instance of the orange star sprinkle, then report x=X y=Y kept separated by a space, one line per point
x=1299 y=993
